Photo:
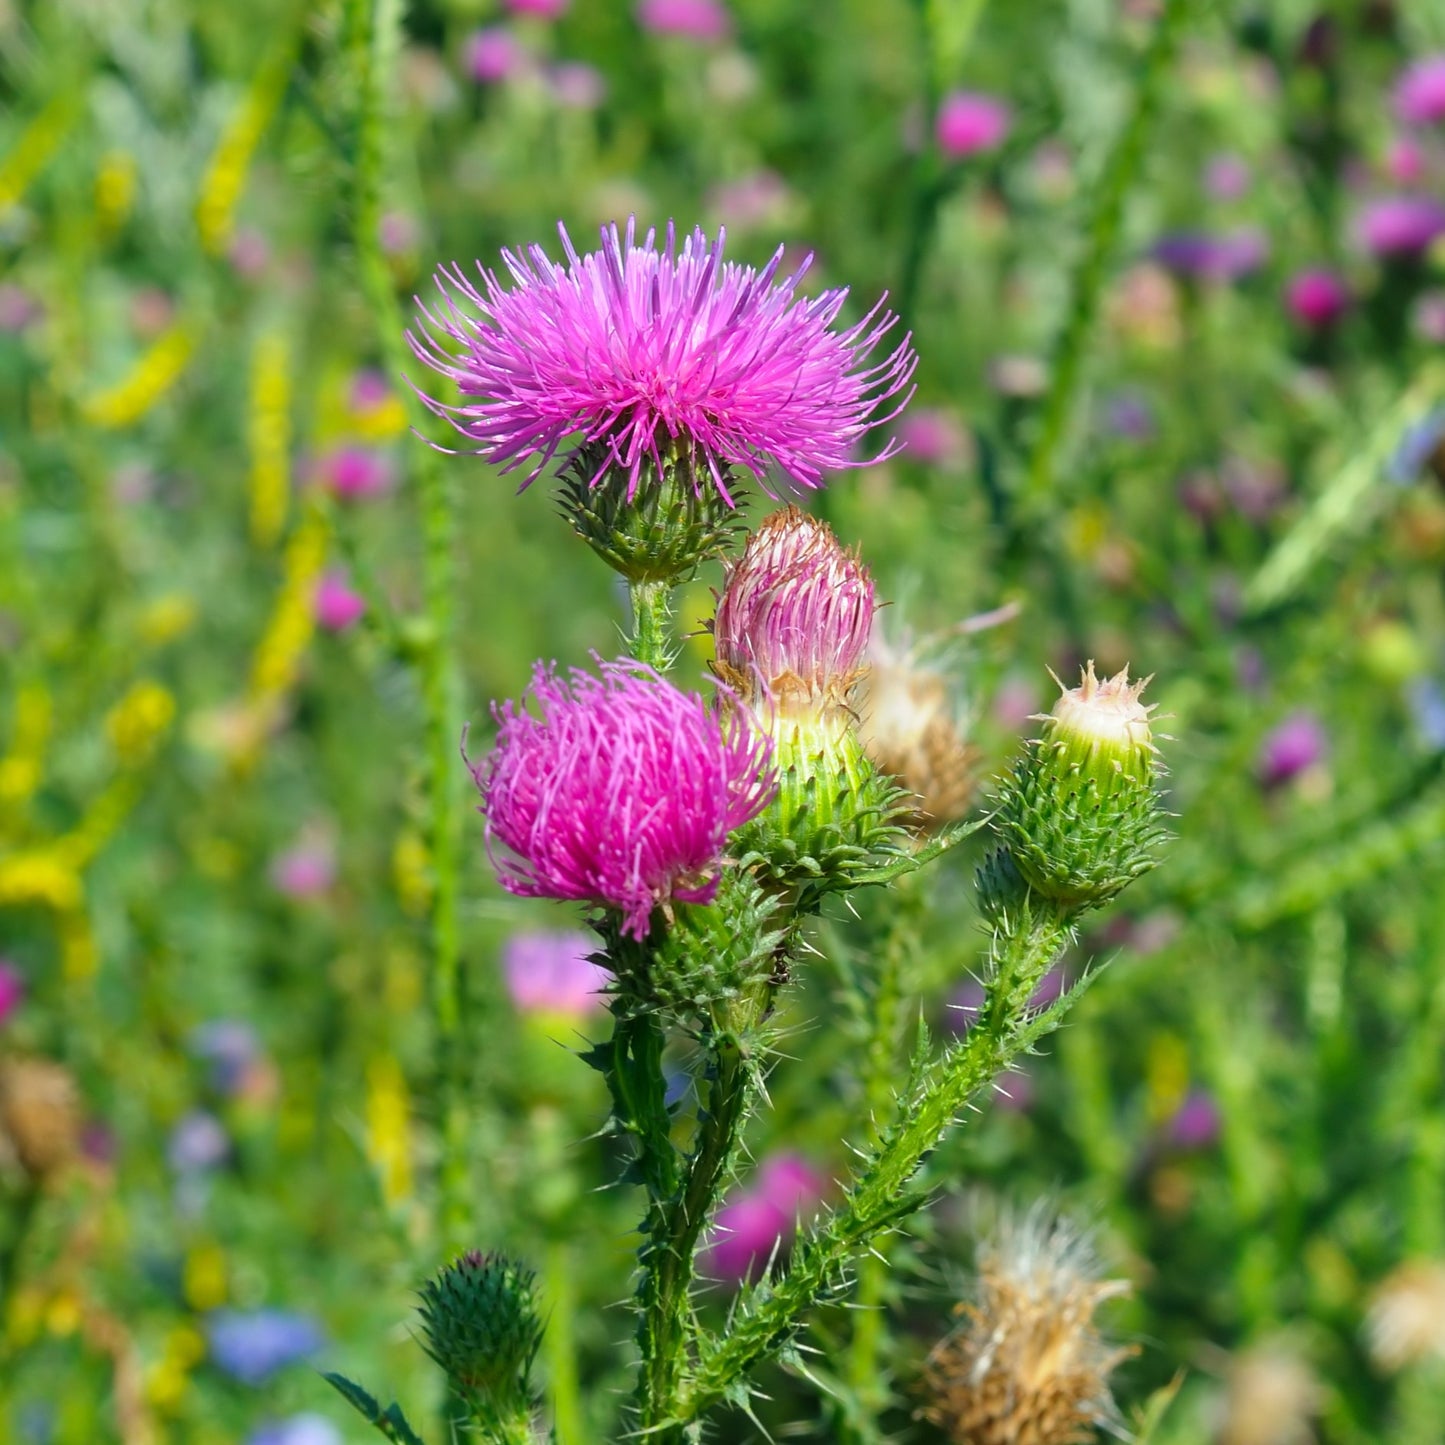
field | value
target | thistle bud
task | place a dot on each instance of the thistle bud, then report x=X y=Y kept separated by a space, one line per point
x=1079 y=816
x=791 y=640
x=480 y=1322
x=658 y=532
x=1027 y=1362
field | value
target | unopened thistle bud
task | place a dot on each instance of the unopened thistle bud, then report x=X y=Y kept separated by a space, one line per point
x=480 y=1322
x=1027 y=1362
x=791 y=640
x=1079 y=815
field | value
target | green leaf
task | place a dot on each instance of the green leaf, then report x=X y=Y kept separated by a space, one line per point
x=390 y=1422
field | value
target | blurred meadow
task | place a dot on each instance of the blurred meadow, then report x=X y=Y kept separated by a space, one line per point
x=1175 y=273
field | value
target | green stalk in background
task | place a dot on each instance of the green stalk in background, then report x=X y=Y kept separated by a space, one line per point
x=377 y=43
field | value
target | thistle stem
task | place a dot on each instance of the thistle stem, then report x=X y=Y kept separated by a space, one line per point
x=765 y=1318
x=651 y=623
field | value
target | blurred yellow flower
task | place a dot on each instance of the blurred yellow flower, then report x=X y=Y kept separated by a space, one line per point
x=139 y=720
x=153 y=374
x=388 y=1133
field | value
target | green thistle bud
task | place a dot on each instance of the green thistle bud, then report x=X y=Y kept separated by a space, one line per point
x=1079 y=816
x=655 y=530
x=480 y=1322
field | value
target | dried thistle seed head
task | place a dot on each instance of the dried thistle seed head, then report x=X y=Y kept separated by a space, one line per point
x=1406 y=1322
x=1271 y=1395
x=910 y=728
x=1027 y=1363
x=39 y=1114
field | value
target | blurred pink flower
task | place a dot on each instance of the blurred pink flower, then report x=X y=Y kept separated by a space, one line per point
x=932 y=436
x=12 y=989
x=1405 y=161
x=1420 y=92
x=760 y=198
x=355 y=472
x=575 y=85
x=760 y=1215
x=19 y=309
x=1402 y=225
x=1298 y=743
x=1317 y=298
x=553 y=973
x=695 y=19
x=491 y=54
x=307 y=869
x=370 y=390
x=970 y=123
x=398 y=233
x=338 y=604
x=1014 y=1090
x=249 y=253
x=1427 y=317
x=1226 y=177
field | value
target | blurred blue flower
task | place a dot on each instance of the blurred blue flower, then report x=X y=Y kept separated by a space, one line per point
x=198 y=1142
x=306 y=1429
x=251 y=1345
x=230 y=1047
x=1426 y=701
x=1416 y=448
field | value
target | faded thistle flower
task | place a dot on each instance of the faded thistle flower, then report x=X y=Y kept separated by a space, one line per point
x=1270 y=1397
x=1406 y=1322
x=654 y=374
x=39 y=1115
x=1079 y=815
x=1027 y=1362
x=619 y=791
x=791 y=640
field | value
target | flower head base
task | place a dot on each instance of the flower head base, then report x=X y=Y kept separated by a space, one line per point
x=1079 y=816
x=620 y=792
x=639 y=349
x=481 y=1324
x=1028 y=1362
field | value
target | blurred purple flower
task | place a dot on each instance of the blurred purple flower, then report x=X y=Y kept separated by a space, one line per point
x=970 y=123
x=198 y=1143
x=231 y=1049
x=695 y=19
x=934 y=437
x=12 y=989
x=1212 y=256
x=1128 y=414
x=1426 y=701
x=1196 y=1122
x=370 y=390
x=964 y=1005
x=338 y=604
x=1427 y=316
x=356 y=472
x=1051 y=987
x=575 y=85
x=1014 y=1090
x=1250 y=668
x=553 y=973
x=641 y=349
x=1226 y=177
x=398 y=232
x=252 y=1345
x=306 y=870
x=1299 y=742
x=751 y=202
x=18 y=308
x=760 y=1215
x=1420 y=92
x=305 y=1429
x=1416 y=448
x=1317 y=297
x=249 y=253
x=1402 y=225
x=491 y=54
x=624 y=756
x=1405 y=161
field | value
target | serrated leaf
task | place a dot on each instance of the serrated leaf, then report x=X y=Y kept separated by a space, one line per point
x=390 y=1422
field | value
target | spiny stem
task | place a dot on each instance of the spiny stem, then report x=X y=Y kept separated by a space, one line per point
x=651 y=619
x=1120 y=172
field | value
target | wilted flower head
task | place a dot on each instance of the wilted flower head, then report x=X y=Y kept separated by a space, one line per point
x=1406 y=1322
x=1027 y=1362
x=553 y=972
x=695 y=19
x=1298 y=743
x=1316 y=297
x=252 y=1345
x=1420 y=92
x=621 y=791
x=39 y=1114
x=969 y=123
x=1271 y=1395
x=1401 y=225
x=794 y=617
x=649 y=353
x=911 y=727
x=760 y=1215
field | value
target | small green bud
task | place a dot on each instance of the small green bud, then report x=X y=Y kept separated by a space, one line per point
x=479 y=1317
x=1079 y=816
x=657 y=529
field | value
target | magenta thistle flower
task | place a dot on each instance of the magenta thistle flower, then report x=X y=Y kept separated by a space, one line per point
x=621 y=791
x=1317 y=298
x=1402 y=225
x=646 y=351
x=794 y=619
x=695 y=19
x=1420 y=92
x=970 y=123
x=756 y=1219
x=1298 y=743
x=337 y=603
x=553 y=973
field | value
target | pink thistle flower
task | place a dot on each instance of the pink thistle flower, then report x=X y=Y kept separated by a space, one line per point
x=935 y=437
x=575 y=85
x=338 y=604
x=795 y=616
x=307 y=870
x=12 y=989
x=491 y=54
x=1401 y=225
x=553 y=973
x=757 y=1218
x=620 y=792
x=1405 y=161
x=355 y=472
x=249 y=253
x=970 y=123
x=1298 y=743
x=645 y=351
x=1317 y=298
x=694 y=19
x=1420 y=92
x=1226 y=177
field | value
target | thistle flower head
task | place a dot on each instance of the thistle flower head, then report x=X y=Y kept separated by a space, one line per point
x=1027 y=1362
x=620 y=791
x=39 y=1115
x=481 y=1323
x=1102 y=726
x=657 y=353
x=794 y=619
x=1406 y=1321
